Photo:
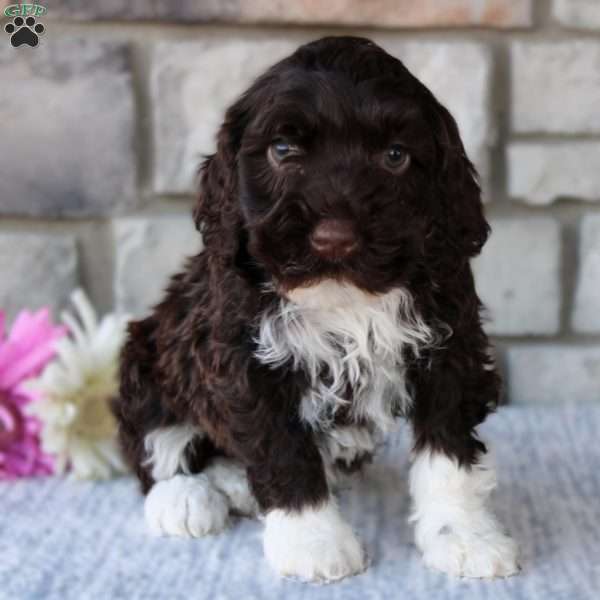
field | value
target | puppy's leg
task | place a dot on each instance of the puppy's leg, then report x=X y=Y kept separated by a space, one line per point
x=167 y=459
x=313 y=543
x=454 y=527
x=229 y=477
x=452 y=476
x=193 y=504
x=305 y=534
x=182 y=501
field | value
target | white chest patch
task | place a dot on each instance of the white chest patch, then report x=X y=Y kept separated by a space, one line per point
x=350 y=345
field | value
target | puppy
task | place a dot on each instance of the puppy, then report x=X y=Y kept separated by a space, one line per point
x=334 y=295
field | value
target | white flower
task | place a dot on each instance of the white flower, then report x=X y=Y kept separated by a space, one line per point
x=75 y=391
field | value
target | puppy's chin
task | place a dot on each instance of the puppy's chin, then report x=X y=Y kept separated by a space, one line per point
x=329 y=294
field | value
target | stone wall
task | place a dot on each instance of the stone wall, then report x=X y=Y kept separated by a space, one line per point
x=104 y=123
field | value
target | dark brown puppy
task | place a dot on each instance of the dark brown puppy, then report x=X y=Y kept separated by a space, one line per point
x=333 y=295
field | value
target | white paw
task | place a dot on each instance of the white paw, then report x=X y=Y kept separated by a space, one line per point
x=186 y=506
x=315 y=544
x=455 y=529
x=229 y=477
x=491 y=555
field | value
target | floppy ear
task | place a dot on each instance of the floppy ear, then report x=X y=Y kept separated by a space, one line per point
x=217 y=213
x=463 y=222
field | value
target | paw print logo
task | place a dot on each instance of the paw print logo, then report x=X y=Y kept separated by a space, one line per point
x=24 y=31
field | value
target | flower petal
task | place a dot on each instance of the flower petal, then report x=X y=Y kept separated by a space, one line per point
x=29 y=347
x=85 y=311
x=74 y=393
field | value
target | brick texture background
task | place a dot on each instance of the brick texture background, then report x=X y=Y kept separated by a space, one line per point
x=104 y=123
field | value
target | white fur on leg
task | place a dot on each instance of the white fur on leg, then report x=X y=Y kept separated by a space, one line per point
x=313 y=544
x=229 y=477
x=345 y=444
x=455 y=529
x=165 y=450
x=186 y=506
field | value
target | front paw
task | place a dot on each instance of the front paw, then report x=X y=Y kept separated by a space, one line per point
x=493 y=554
x=315 y=544
x=187 y=506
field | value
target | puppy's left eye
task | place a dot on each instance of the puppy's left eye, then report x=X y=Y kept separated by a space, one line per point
x=281 y=149
x=396 y=158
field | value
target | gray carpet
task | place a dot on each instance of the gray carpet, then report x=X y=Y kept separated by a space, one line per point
x=66 y=540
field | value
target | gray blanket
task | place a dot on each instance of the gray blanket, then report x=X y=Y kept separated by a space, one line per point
x=65 y=540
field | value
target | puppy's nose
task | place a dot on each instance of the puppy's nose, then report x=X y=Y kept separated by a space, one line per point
x=334 y=238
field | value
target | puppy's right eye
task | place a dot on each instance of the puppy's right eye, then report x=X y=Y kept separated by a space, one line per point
x=281 y=149
x=396 y=159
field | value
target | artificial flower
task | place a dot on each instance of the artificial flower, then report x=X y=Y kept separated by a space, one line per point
x=23 y=354
x=75 y=390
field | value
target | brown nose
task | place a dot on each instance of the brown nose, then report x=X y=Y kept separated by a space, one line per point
x=334 y=238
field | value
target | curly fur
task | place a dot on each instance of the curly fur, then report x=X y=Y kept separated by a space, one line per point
x=360 y=340
x=233 y=350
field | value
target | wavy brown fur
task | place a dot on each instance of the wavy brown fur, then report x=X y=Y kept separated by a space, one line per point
x=343 y=99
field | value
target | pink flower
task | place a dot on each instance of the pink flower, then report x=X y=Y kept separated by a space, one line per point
x=23 y=354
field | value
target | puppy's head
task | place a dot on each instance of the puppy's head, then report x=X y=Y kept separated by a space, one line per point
x=338 y=163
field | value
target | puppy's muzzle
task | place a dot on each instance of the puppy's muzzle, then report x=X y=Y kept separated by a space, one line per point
x=334 y=239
